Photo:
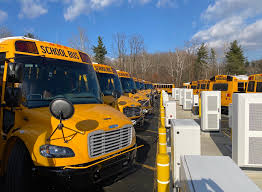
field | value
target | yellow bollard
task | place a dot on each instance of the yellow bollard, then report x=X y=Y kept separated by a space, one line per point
x=162 y=140
x=161 y=100
x=162 y=172
x=162 y=116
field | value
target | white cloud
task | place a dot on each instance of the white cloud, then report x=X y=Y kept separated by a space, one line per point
x=78 y=7
x=248 y=35
x=227 y=8
x=3 y=16
x=231 y=20
x=75 y=9
x=222 y=29
x=31 y=9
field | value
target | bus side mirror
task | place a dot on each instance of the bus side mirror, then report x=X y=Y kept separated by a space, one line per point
x=116 y=94
x=133 y=91
x=15 y=72
x=13 y=97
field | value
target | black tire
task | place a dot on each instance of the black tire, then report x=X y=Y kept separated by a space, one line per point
x=18 y=174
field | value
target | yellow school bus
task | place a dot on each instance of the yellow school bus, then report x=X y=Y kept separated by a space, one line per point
x=33 y=141
x=202 y=85
x=139 y=85
x=130 y=90
x=227 y=85
x=254 y=83
x=157 y=88
x=186 y=85
x=165 y=87
x=148 y=88
x=109 y=83
x=193 y=85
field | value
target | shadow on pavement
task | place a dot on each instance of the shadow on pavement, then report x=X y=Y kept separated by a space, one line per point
x=222 y=142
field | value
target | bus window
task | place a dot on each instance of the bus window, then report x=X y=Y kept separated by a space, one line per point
x=198 y=86
x=251 y=86
x=203 y=86
x=220 y=87
x=208 y=86
x=241 y=87
x=259 y=87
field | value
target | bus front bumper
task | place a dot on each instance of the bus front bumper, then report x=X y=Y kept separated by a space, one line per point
x=97 y=172
x=138 y=120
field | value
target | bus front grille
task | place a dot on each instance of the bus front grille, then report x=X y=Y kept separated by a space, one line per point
x=104 y=142
x=132 y=111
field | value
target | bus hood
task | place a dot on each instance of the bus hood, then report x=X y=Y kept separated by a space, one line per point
x=139 y=96
x=125 y=101
x=86 y=118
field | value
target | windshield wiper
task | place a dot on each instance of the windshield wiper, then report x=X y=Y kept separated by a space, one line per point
x=40 y=99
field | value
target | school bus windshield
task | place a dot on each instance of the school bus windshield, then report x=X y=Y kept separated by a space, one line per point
x=108 y=83
x=254 y=86
x=259 y=87
x=140 y=85
x=46 y=79
x=220 y=87
x=128 y=84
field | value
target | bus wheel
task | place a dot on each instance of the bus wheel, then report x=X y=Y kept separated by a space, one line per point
x=19 y=169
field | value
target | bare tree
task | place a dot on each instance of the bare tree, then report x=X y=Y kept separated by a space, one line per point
x=145 y=63
x=5 y=32
x=136 y=46
x=120 y=42
x=180 y=63
x=172 y=65
x=80 y=41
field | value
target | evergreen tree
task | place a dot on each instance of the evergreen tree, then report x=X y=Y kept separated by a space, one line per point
x=30 y=35
x=213 y=61
x=201 y=63
x=235 y=60
x=100 y=51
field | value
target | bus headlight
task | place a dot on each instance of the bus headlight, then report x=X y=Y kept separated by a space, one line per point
x=53 y=151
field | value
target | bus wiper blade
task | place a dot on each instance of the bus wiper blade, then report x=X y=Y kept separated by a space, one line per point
x=93 y=97
x=40 y=99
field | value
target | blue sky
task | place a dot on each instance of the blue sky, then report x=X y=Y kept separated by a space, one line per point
x=164 y=24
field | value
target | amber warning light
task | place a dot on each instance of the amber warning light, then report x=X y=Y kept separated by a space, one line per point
x=26 y=46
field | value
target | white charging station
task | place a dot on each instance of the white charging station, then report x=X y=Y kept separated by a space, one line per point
x=170 y=112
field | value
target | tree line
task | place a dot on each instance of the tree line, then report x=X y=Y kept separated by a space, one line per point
x=192 y=62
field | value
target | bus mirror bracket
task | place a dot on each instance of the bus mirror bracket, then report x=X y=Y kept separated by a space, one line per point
x=13 y=97
x=133 y=91
x=15 y=72
x=62 y=109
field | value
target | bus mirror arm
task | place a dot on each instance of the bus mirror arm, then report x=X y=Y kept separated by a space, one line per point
x=134 y=91
x=13 y=97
